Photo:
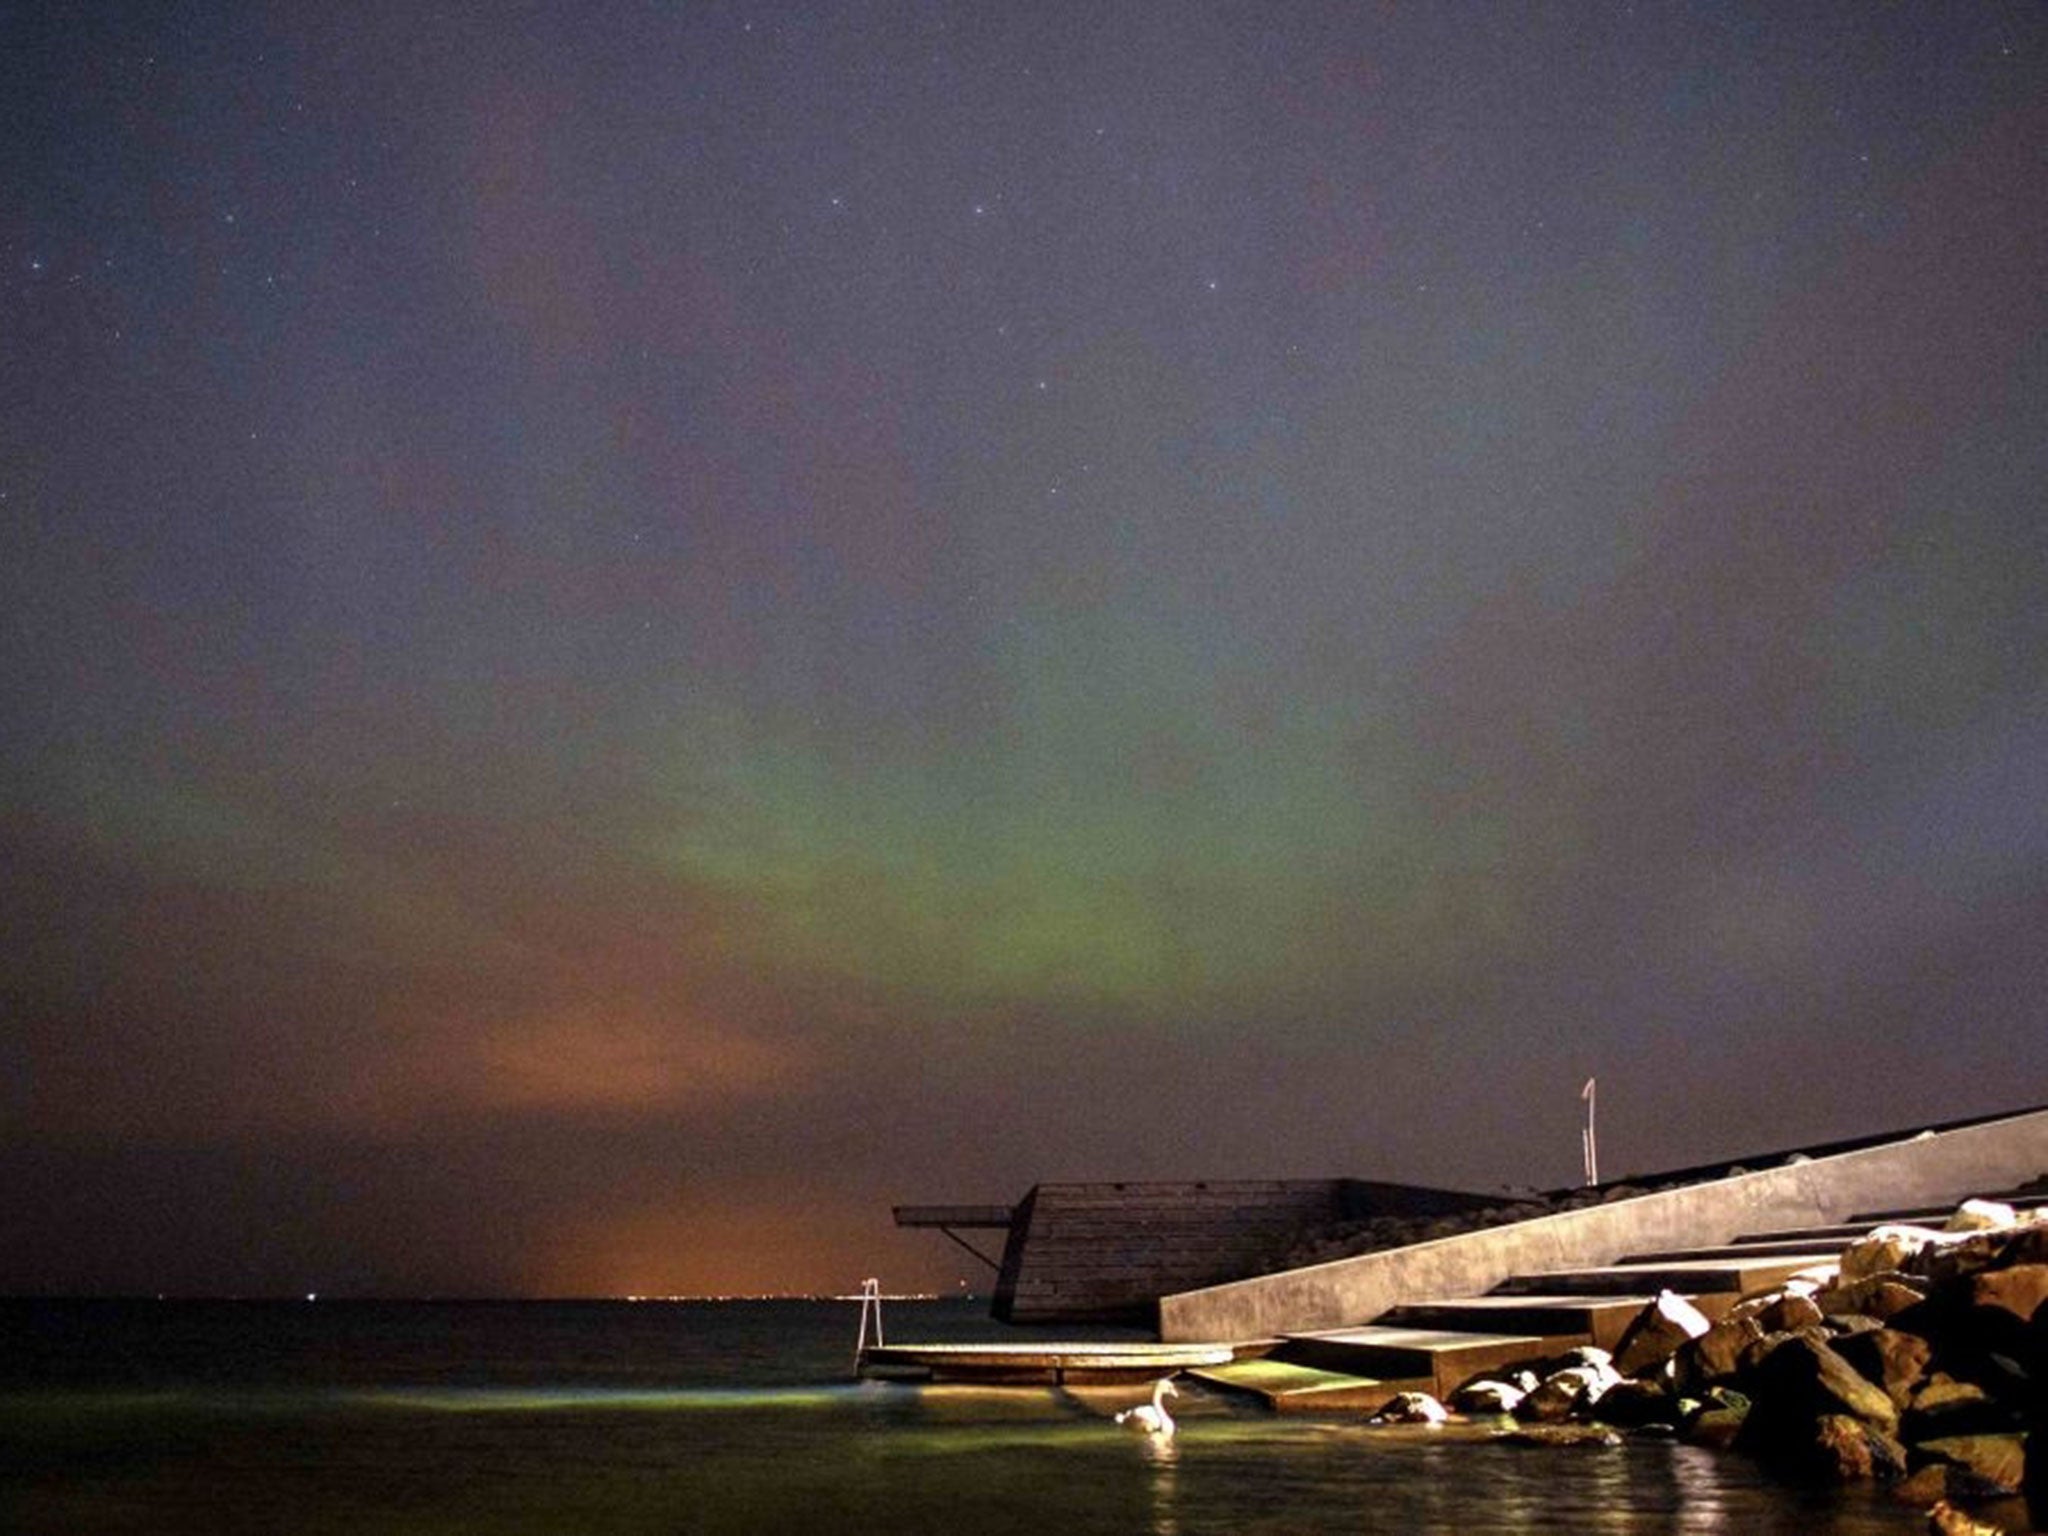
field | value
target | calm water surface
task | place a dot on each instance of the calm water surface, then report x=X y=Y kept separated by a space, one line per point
x=661 y=1418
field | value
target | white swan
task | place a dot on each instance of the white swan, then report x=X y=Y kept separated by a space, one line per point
x=1151 y=1418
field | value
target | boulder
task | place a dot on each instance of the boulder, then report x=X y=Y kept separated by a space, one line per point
x=1880 y=1296
x=1950 y=1258
x=1655 y=1333
x=1411 y=1408
x=1715 y=1420
x=1717 y=1429
x=1884 y=1248
x=1928 y=1485
x=1488 y=1396
x=1945 y=1519
x=1978 y=1329
x=1788 y=1313
x=1981 y=1216
x=1845 y=1449
x=1754 y=1355
x=1636 y=1405
x=1803 y=1380
x=1986 y=1416
x=1939 y=1481
x=2019 y=1289
x=1815 y=1277
x=1591 y=1356
x=1888 y=1358
x=2036 y=1468
x=2029 y=1245
x=1715 y=1355
x=2000 y=1460
x=1753 y=1304
x=1940 y=1392
x=1630 y=1404
x=1562 y=1392
x=1943 y=1407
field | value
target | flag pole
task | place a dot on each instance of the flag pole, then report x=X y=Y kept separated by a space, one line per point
x=1588 y=1142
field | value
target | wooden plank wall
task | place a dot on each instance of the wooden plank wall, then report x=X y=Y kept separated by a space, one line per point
x=1107 y=1252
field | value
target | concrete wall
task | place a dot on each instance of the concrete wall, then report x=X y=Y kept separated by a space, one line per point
x=1931 y=1169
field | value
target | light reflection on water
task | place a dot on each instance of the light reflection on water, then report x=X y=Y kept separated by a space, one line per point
x=424 y=1462
x=425 y=1423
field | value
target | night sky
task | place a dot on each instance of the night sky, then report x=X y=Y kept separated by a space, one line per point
x=635 y=630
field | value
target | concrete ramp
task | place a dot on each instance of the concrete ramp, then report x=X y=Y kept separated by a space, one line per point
x=1929 y=1170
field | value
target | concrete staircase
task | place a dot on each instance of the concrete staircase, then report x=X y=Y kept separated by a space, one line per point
x=1435 y=1346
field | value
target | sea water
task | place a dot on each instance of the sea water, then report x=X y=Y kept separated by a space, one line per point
x=662 y=1418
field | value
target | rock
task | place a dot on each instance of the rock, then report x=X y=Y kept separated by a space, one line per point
x=2029 y=1245
x=2037 y=1468
x=1888 y=1358
x=1755 y=1353
x=1561 y=1392
x=1847 y=1450
x=1943 y=1406
x=1815 y=1277
x=1883 y=1248
x=1977 y=1325
x=1411 y=1408
x=1561 y=1434
x=1588 y=1355
x=1938 y=1481
x=1880 y=1296
x=1727 y=1397
x=1716 y=1354
x=1981 y=1216
x=1488 y=1396
x=1656 y=1333
x=1940 y=1391
x=1754 y=1303
x=1717 y=1429
x=1714 y=1420
x=1635 y=1405
x=2019 y=1289
x=1789 y=1313
x=1929 y=1485
x=1801 y=1381
x=1951 y=1257
x=1999 y=1460
x=1944 y=1519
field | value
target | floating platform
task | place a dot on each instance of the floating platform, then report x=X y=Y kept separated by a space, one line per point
x=1055 y=1363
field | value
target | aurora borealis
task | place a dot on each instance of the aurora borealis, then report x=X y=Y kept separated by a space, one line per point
x=636 y=630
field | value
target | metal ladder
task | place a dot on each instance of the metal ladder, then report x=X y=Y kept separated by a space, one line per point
x=870 y=1305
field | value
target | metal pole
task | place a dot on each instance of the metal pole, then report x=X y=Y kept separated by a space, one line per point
x=1589 y=1142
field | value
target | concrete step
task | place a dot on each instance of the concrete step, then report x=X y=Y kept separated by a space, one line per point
x=1711 y=1277
x=1286 y=1387
x=1598 y=1319
x=1742 y=1248
x=1934 y=1215
x=1444 y=1357
x=1839 y=1235
x=1917 y=1216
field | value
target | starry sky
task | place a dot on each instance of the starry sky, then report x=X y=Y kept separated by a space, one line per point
x=635 y=630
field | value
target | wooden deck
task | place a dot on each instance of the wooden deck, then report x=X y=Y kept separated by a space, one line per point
x=1056 y=1363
